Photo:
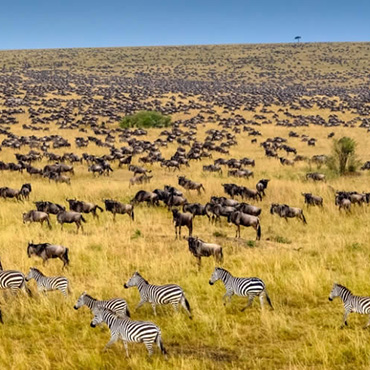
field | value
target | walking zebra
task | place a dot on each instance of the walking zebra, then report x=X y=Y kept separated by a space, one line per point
x=45 y=283
x=158 y=294
x=352 y=303
x=129 y=330
x=13 y=280
x=243 y=287
x=117 y=305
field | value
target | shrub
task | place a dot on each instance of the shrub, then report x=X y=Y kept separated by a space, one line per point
x=146 y=119
x=343 y=158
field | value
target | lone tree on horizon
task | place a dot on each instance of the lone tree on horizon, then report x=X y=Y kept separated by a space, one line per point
x=297 y=38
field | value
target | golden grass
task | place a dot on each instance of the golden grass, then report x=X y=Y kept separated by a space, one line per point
x=302 y=331
x=298 y=263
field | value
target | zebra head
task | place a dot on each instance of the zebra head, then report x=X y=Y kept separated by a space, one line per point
x=134 y=280
x=216 y=275
x=31 y=274
x=80 y=302
x=98 y=318
x=335 y=292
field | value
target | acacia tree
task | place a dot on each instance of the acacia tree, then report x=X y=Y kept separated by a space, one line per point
x=343 y=158
x=297 y=38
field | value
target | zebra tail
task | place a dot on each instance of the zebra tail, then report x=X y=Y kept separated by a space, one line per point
x=187 y=304
x=160 y=344
x=268 y=299
x=128 y=314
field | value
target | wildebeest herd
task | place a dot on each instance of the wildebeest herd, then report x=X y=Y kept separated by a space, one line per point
x=199 y=167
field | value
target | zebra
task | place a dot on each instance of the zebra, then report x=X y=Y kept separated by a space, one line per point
x=13 y=280
x=117 y=305
x=158 y=294
x=352 y=303
x=243 y=287
x=129 y=330
x=45 y=283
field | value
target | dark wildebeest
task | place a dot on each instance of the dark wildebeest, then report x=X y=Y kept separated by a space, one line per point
x=261 y=186
x=343 y=202
x=200 y=249
x=47 y=251
x=250 y=194
x=36 y=216
x=240 y=173
x=182 y=219
x=137 y=170
x=189 y=184
x=69 y=217
x=196 y=209
x=315 y=176
x=49 y=207
x=217 y=210
x=249 y=209
x=139 y=180
x=283 y=210
x=145 y=196
x=25 y=191
x=286 y=162
x=84 y=207
x=6 y=192
x=312 y=200
x=212 y=168
x=242 y=219
x=118 y=207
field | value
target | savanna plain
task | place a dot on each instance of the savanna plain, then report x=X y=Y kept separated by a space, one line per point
x=273 y=89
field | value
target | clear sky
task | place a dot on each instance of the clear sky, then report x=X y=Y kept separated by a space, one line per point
x=29 y=24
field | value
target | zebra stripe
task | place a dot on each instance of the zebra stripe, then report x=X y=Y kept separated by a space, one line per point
x=14 y=280
x=117 y=305
x=244 y=287
x=45 y=283
x=158 y=294
x=129 y=330
x=352 y=303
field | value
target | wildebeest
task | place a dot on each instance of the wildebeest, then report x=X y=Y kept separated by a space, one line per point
x=182 y=219
x=196 y=209
x=137 y=170
x=69 y=217
x=24 y=192
x=84 y=207
x=49 y=207
x=138 y=180
x=250 y=193
x=313 y=200
x=315 y=176
x=343 y=202
x=283 y=210
x=240 y=173
x=261 y=186
x=47 y=251
x=190 y=185
x=218 y=210
x=242 y=219
x=286 y=162
x=115 y=207
x=36 y=216
x=145 y=196
x=212 y=168
x=248 y=209
x=200 y=249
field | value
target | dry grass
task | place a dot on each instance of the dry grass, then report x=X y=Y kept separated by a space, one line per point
x=298 y=264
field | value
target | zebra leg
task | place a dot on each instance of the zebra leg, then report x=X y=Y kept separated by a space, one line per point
x=140 y=304
x=227 y=295
x=113 y=339
x=261 y=299
x=154 y=310
x=346 y=313
x=149 y=347
x=250 y=300
x=126 y=347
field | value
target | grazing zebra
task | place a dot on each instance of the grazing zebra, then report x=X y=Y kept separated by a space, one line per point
x=13 y=280
x=352 y=303
x=117 y=305
x=129 y=330
x=45 y=283
x=158 y=294
x=243 y=287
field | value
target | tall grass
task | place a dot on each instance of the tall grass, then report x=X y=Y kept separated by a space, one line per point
x=298 y=264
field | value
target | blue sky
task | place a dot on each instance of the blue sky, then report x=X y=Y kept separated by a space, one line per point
x=29 y=24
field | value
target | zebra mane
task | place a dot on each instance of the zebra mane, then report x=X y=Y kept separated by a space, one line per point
x=89 y=296
x=37 y=270
x=342 y=286
x=146 y=281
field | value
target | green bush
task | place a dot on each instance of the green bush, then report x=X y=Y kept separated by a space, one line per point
x=146 y=119
x=343 y=158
